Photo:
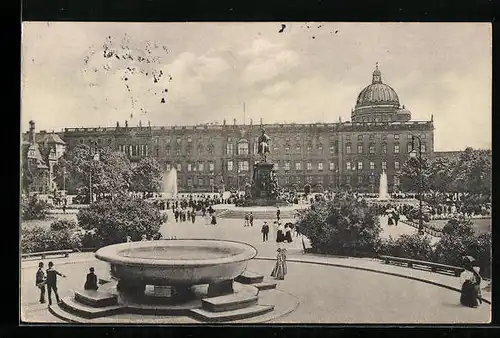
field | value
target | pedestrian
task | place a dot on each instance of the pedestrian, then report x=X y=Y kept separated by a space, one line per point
x=278 y=213
x=129 y=239
x=64 y=208
x=265 y=232
x=280 y=269
x=288 y=233
x=40 y=282
x=280 y=236
x=91 y=282
x=51 y=281
x=214 y=218
x=251 y=219
x=396 y=218
x=470 y=280
x=246 y=220
x=193 y=215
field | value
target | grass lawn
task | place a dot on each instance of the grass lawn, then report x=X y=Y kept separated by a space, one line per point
x=481 y=225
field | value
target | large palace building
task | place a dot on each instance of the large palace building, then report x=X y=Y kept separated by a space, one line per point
x=330 y=156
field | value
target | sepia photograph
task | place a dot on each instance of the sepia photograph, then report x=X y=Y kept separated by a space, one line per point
x=255 y=173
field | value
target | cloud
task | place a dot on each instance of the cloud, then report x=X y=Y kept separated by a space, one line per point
x=269 y=61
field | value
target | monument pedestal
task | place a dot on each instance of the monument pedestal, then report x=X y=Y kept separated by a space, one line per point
x=263 y=191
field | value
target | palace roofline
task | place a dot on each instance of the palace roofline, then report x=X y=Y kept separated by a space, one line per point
x=338 y=125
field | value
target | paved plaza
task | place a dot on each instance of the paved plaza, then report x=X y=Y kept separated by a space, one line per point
x=326 y=289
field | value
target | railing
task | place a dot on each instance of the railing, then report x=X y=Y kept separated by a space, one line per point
x=427 y=230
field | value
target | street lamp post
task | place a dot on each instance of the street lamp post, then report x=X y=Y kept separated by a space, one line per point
x=95 y=157
x=418 y=154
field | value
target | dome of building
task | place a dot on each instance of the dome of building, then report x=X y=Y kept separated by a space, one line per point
x=377 y=93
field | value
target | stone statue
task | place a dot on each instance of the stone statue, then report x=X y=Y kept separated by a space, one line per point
x=263 y=148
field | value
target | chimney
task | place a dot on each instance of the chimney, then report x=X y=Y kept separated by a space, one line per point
x=261 y=121
x=224 y=122
x=234 y=121
x=126 y=124
x=32 y=135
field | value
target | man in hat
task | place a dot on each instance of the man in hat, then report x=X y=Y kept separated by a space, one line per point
x=40 y=282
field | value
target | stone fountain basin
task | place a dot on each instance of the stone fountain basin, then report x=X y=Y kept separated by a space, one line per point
x=177 y=262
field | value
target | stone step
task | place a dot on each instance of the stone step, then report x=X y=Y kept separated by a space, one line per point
x=266 y=285
x=252 y=311
x=86 y=311
x=60 y=313
x=229 y=302
x=95 y=298
x=248 y=277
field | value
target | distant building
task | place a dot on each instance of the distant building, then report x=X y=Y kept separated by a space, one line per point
x=40 y=153
x=333 y=156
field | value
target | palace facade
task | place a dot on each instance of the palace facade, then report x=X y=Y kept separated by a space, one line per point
x=328 y=156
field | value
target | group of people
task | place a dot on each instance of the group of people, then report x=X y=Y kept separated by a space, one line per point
x=47 y=281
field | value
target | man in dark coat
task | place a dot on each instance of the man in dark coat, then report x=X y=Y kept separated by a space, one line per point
x=265 y=232
x=40 y=282
x=91 y=282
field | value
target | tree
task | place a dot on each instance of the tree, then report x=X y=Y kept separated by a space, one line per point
x=473 y=171
x=33 y=208
x=341 y=226
x=110 y=174
x=410 y=175
x=307 y=189
x=124 y=216
x=146 y=176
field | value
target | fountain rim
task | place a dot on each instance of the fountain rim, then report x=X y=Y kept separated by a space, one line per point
x=111 y=255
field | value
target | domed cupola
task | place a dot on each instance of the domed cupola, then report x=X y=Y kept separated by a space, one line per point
x=377 y=102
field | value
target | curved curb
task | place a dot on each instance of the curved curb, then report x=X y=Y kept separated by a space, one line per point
x=326 y=264
x=370 y=270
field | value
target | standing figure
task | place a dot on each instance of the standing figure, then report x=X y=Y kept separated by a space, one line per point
x=246 y=220
x=280 y=236
x=470 y=281
x=214 y=219
x=91 y=282
x=280 y=269
x=52 y=282
x=40 y=282
x=278 y=213
x=265 y=232
x=251 y=219
x=288 y=233
x=263 y=147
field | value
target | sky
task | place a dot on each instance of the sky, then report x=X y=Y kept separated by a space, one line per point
x=94 y=74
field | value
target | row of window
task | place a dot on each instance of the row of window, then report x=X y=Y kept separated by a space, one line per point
x=243 y=149
x=134 y=149
x=383 y=148
x=332 y=179
x=245 y=166
x=201 y=181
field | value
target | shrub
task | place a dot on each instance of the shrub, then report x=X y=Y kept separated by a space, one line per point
x=459 y=227
x=412 y=246
x=33 y=208
x=35 y=239
x=341 y=226
x=62 y=224
x=123 y=216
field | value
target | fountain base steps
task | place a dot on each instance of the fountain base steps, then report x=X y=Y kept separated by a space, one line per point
x=247 y=297
x=256 y=280
x=87 y=311
x=95 y=298
x=225 y=316
x=87 y=305
x=248 y=277
x=265 y=285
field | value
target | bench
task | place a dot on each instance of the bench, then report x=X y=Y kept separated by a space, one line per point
x=44 y=254
x=434 y=266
